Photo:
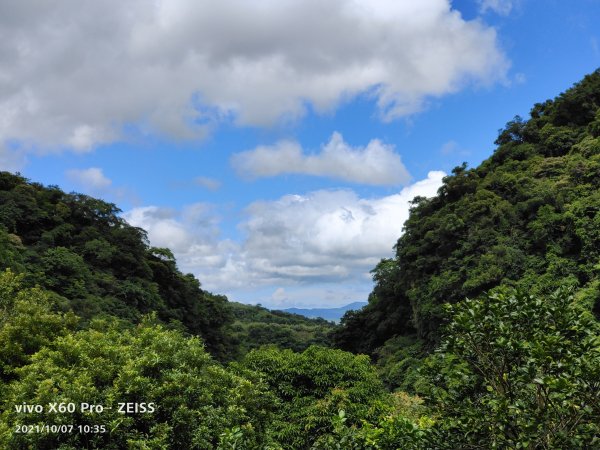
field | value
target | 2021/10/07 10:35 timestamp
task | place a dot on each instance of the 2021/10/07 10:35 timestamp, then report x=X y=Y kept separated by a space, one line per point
x=69 y=408
x=60 y=429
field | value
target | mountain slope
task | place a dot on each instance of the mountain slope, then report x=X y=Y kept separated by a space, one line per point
x=79 y=248
x=527 y=216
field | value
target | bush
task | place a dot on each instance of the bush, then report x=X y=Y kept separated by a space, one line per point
x=517 y=371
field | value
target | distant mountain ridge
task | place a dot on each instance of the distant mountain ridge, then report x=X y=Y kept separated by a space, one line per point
x=333 y=314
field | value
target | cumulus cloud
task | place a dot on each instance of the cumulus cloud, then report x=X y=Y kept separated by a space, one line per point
x=279 y=296
x=375 y=164
x=92 y=179
x=327 y=234
x=323 y=237
x=181 y=231
x=76 y=74
x=162 y=227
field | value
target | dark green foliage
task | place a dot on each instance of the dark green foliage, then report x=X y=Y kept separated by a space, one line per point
x=378 y=314
x=79 y=248
x=11 y=251
x=65 y=272
x=517 y=371
x=398 y=361
x=527 y=216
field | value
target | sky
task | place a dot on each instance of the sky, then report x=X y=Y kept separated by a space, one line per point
x=275 y=145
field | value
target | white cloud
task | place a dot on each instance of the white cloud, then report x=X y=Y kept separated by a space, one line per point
x=75 y=74
x=501 y=7
x=280 y=296
x=188 y=233
x=376 y=163
x=92 y=179
x=162 y=227
x=295 y=242
x=327 y=234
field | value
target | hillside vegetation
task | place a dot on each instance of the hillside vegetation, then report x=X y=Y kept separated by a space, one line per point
x=79 y=248
x=527 y=217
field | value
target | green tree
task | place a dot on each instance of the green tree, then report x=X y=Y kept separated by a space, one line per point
x=11 y=251
x=311 y=387
x=28 y=322
x=517 y=371
x=195 y=403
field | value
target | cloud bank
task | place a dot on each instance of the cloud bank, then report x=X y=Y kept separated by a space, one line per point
x=76 y=74
x=323 y=237
x=375 y=164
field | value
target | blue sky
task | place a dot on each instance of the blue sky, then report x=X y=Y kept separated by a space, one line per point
x=274 y=145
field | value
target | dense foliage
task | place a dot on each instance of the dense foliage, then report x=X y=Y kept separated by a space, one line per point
x=312 y=387
x=271 y=399
x=79 y=248
x=528 y=216
x=517 y=371
x=514 y=371
x=196 y=400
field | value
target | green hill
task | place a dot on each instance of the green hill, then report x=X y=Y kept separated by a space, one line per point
x=528 y=216
x=79 y=248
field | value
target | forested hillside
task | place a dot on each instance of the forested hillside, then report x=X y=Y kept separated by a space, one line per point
x=79 y=248
x=483 y=326
x=528 y=217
